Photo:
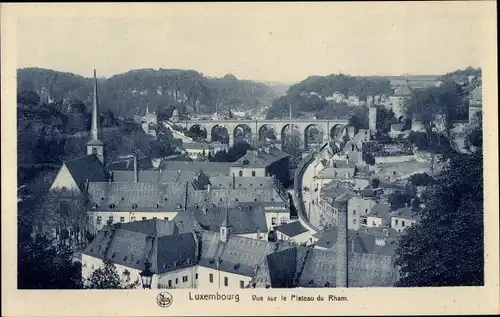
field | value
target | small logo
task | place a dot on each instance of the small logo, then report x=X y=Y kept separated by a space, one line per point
x=164 y=299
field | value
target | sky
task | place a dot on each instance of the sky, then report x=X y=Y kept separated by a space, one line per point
x=284 y=42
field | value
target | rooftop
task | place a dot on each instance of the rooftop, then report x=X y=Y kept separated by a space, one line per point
x=89 y=168
x=476 y=97
x=209 y=168
x=262 y=157
x=380 y=210
x=291 y=229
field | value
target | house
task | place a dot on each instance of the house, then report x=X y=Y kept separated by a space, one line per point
x=403 y=218
x=265 y=161
x=149 y=122
x=398 y=99
x=198 y=150
x=396 y=130
x=293 y=231
x=209 y=168
x=378 y=217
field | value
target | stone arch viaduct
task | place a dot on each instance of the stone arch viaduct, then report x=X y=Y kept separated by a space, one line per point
x=326 y=127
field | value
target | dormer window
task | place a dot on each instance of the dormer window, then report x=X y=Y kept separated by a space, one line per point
x=196 y=206
x=95 y=206
x=179 y=206
x=102 y=198
x=155 y=206
x=134 y=206
x=166 y=199
x=111 y=206
x=123 y=198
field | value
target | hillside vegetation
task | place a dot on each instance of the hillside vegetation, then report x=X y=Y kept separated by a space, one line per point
x=127 y=94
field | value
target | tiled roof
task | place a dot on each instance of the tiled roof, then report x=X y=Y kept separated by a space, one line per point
x=158 y=176
x=131 y=249
x=145 y=196
x=335 y=191
x=364 y=270
x=343 y=164
x=260 y=158
x=291 y=229
x=379 y=210
x=209 y=168
x=239 y=255
x=278 y=270
x=186 y=222
x=156 y=228
x=243 y=220
x=242 y=182
x=404 y=212
x=87 y=167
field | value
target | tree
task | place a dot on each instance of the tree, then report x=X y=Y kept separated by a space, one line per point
x=107 y=277
x=45 y=265
x=399 y=199
x=385 y=117
x=423 y=106
x=375 y=182
x=446 y=248
x=421 y=179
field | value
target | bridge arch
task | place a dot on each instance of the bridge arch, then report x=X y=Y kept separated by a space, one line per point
x=313 y=134
x=243 y=133
x=197 y=131
x=267 y=133
x=291 y=137
x=338 y=131
x=219 y=133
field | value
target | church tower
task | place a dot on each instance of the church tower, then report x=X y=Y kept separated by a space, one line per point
x=94 y=146
x=225 y=227
x=372 y=119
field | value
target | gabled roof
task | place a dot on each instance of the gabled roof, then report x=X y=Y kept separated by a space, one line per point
x=239 y=255
x=405 y=212
x=243 y=219
x=156 y=228
x=397 y=127
x=262 y=157
x=132 y=249
x=158 y=176
x=242 y=182
x=291 y=229
x=86 y=167
x=380 y=210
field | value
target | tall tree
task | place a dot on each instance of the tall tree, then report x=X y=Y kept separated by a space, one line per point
x=446 y=248
x=107 y=277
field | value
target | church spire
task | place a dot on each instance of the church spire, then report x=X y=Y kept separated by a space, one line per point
x=225 y=227
x=94 y=146
x=94 y=131
x=147 y=108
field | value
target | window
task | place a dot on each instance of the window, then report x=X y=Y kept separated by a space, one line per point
x=226 y=281
x=166 y=218
x=111 y=219
x=242 y=284
x=132 y=219
x=354 y=221
x=143 y=218
x=196 y=276
x=240 y=173
x=273 y=221
x=253 y=173
x=176 y=281
x=403 y=223
x=373 y=223
x=354 y=212
x=122 y=219
x=94 y=151
x=396 y=221
x=366 y=211
x=184 y=279
x=363 y=221
x=283 y=220
x=211 y=278
x=155 y=217
x=99 y=220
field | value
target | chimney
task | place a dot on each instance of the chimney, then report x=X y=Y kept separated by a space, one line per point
x=136 y=169
x=258 y=233
x=208 y=187
x=234 y=181
x=342 y=247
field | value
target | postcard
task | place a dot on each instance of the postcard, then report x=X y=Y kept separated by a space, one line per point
x=184 y=159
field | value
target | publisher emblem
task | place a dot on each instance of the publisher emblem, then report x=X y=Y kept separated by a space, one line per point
x=164 y=299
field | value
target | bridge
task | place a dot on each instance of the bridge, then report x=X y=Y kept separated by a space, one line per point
x=327 y=128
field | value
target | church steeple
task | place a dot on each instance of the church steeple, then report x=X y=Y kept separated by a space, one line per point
x=147 y=108
x=95 y=146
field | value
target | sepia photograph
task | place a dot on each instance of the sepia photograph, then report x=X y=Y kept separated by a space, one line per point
x=262 y=146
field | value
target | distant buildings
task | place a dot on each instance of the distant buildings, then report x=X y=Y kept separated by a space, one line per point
x=475 y=105
x=149 y=122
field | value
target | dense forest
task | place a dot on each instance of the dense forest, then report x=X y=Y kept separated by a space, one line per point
x=126 y=94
